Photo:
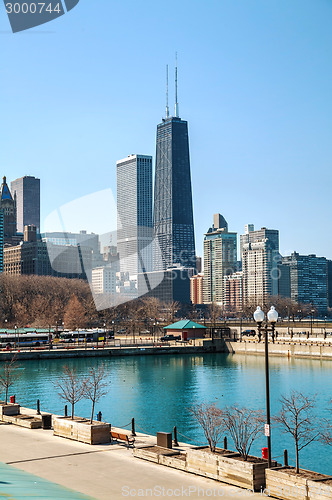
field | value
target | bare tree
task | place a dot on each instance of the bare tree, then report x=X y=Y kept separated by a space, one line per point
x=96 y=386
x=71 y=388
x=325 y=436
x=211 y=420
x=75 y=314
x=244 y=426
x=214 y=312
x=9 y=375
x=40 y=300
x=297 y=419
x=171 y=309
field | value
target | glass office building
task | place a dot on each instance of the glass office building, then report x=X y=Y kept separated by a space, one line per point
x=173 y=222
x=134 y=214
x=27 y=191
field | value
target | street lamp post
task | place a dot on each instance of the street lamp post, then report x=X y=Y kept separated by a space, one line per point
x=17 y=332
x=312 y=319
x=241 y=327
x=272 y=317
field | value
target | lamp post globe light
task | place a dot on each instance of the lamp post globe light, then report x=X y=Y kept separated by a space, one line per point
x=272 y=318
x=259 y=315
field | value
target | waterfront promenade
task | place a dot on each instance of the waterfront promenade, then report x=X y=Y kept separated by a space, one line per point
x=103 y=471
x=296 y=347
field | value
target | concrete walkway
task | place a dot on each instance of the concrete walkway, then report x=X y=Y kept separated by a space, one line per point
x=18 y=485
x=102 y=471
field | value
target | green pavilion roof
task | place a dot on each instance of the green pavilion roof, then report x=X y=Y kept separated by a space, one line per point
x=183 y=324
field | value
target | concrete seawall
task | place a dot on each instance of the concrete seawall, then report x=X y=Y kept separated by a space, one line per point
x=289 y=349
x=110 y=351
x=203 y=346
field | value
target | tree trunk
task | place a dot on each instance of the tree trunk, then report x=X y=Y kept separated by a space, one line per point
x=93 y=409
x=6 y=395
x=72 y=412
x=297 y=457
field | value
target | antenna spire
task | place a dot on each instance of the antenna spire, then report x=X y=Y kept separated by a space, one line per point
x=167 y=108
x=176 y=86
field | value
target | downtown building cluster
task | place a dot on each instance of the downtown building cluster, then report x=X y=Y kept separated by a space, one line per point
x=261 y=274
x=24 y=250
x=153 y=251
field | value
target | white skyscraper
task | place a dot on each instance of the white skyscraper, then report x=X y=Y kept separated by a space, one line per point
x=260 y=260
x=134 y=206
x=219 y=259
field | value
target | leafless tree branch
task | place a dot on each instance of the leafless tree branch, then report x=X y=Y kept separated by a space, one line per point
x=244 y=426
x=296 y=417
x=211 y=419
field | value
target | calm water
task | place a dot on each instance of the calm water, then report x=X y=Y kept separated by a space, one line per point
x=158 y=391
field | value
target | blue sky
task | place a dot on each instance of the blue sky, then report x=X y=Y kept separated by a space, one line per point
x=255 y=80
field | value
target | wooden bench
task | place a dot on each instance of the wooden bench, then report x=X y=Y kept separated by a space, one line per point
x=118 y=436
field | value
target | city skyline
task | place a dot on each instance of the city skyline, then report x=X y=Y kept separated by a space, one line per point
x=254 y=88
x=77 y=204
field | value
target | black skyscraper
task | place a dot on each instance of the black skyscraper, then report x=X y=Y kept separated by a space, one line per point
x=27 y=191
x=173 y=211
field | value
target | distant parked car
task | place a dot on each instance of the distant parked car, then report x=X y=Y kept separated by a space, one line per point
x=166 y=338
x=123 y=330
x=145 y=332
x=249 y=333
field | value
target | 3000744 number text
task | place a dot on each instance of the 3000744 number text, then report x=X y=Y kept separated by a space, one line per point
x=32 y=8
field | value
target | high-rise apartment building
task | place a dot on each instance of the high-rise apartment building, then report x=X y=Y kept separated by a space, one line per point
x=329 y=283
x=220 y=253
x=173 y=222
x=134 y=206
x=260 y=260
x=233 y=286
x=196 y=288
x=27 y=192
x=251 y=236
x=308 y=280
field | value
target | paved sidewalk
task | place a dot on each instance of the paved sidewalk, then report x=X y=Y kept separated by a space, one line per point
x=19 y=485
x=102 y=471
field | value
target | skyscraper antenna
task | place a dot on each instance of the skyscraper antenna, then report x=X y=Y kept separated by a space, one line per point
x=167 y=108
x=176 y=86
